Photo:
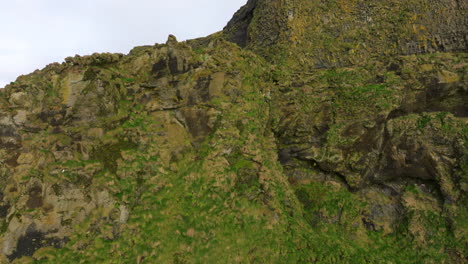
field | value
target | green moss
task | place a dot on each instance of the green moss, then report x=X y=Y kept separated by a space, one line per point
x=128 y=80
x=108 y=154
x=423 y=121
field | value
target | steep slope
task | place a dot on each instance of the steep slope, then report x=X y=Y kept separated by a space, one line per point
x=323 y=33
x=327 y=132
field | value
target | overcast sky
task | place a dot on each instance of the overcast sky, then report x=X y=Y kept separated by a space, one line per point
x=34 y=33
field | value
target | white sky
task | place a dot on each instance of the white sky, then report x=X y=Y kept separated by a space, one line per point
x=34 y=33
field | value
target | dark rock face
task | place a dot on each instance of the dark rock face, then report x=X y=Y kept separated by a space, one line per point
x=32 y=241
x=268 y=27
x=4 y=210
x=35 y=198
x=237 y=30
x=159 y=67
x=447 y=97
x=3 y=207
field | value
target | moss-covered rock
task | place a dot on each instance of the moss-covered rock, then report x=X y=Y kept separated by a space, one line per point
x=335 y=135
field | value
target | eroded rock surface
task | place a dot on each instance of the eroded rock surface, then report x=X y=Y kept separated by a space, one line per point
x=305 y=132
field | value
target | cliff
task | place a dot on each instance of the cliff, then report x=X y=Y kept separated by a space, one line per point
x=304 y=132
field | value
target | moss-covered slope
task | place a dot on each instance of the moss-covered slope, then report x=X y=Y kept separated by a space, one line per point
x=322 y=137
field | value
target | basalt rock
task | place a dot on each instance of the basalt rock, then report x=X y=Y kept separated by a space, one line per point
x=317 y=34
x=304 y=132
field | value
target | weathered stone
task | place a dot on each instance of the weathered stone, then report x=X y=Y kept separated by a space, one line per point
x=19 y=99
x=274 y=153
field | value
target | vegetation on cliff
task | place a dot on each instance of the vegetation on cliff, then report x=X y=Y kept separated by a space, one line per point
x=304 y=132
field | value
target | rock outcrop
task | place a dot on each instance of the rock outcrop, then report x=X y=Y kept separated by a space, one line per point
x=323 y=34
x=305 y=132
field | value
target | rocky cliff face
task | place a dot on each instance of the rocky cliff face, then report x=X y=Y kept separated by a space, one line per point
x=305 y=132
x=323 y=34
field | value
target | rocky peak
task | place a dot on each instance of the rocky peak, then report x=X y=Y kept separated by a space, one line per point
x=337 y=33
